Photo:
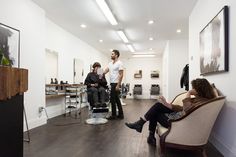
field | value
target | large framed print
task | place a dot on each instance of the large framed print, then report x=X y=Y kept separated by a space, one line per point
x=214 y=49
x=9 y=46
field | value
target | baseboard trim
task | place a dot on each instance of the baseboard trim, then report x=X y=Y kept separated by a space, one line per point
x=33 y=123
x=59 y=111
x=221 y=146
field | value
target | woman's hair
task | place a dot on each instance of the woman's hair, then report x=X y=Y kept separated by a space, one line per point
x=96 y=64
x=203 y=88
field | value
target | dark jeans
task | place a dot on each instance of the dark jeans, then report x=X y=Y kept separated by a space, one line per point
x=97 y=93
x=115 y=100
x=157 y=114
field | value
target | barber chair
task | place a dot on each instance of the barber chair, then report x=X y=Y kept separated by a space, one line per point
x=123 y=92
x=155 y=89
x=98 y=114
x=137 y=89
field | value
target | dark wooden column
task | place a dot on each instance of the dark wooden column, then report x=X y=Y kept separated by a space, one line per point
x=11 y=127
x=13 y=83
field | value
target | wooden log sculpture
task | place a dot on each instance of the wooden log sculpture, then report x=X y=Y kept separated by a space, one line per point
x=13 y=81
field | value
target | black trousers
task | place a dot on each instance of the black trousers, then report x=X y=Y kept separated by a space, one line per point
x=157 y=114
x=97 y=93
x=115 y=100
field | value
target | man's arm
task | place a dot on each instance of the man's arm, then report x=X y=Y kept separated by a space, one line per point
x=106 y=70
x=120 y=77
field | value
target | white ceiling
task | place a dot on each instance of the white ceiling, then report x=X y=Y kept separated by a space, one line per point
x=132 y=16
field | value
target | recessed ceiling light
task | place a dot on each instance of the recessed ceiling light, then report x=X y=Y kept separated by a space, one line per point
x=100 y=40
x=151 y=49
x=83 y=26
x=150 y=22
x=111 y=50
x=151 y=38
x=178 y=31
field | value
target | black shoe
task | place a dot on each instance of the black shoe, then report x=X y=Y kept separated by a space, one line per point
x=111 y=118
x=151 y=139
x=138 y=126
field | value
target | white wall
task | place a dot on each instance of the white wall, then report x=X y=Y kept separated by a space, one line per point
x=38 y=33
x=146 y=65
x=175 y=58
x=165 y=67
x=68 y=47
x=223 y=135
x=29 y=19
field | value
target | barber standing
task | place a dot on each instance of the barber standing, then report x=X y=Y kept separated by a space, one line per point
x=115 y=67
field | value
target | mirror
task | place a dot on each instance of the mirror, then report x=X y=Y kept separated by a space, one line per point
x=78 y=71
x=51 y=65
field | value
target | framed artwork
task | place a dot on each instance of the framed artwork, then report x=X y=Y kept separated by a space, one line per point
x=9 y=45
x=138 y=74
x=155 y=74
x=214 y=48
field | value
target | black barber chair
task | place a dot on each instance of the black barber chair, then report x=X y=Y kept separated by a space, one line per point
x=155 y=89
x=98 y=113
x=137 y=89
x=124 y=90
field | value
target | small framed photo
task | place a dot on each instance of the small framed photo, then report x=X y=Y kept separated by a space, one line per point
x=155 y=74
x=138 y=74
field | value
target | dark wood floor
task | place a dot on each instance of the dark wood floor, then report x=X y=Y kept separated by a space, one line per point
x=69 y=137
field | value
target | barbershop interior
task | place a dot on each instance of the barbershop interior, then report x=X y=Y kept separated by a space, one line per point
x=117 y=78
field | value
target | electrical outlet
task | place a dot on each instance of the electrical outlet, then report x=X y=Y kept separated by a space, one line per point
x=41 y=109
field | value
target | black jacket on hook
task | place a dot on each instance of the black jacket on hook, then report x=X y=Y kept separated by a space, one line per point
x=185 y=78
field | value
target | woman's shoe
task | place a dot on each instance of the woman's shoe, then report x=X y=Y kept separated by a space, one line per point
x=138 y=126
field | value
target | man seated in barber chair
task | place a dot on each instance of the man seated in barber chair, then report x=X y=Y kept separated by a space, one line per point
x=96 y=86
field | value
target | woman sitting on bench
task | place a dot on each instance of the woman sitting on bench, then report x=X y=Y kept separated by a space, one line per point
x=96 y=85
x=162 y=111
